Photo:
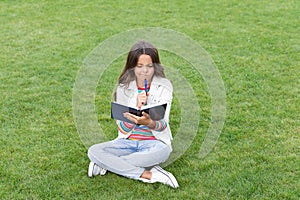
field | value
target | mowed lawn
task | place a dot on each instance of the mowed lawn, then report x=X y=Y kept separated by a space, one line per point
x=254 y=44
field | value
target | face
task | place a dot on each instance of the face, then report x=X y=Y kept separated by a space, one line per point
x=144 y=69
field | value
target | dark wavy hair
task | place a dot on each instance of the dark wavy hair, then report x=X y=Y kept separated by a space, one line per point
x=138 y=49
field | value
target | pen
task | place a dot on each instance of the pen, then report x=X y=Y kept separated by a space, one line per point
x=146 y=86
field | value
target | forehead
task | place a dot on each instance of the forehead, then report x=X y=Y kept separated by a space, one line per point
x=144 y=59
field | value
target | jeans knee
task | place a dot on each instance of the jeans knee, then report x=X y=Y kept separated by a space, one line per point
x=91 y=151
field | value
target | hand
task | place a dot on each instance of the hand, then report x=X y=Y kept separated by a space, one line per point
x=143 y=120
x=141 y=99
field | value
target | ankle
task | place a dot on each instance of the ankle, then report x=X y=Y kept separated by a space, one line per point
x=147 y=175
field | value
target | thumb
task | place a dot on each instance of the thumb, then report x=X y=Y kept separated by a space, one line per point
x=145 y=114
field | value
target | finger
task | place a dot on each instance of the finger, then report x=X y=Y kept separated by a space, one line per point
x=131 y=117
x=145 y=114
x=125 y=114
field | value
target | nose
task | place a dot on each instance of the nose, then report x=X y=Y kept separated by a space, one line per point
x=145 y=69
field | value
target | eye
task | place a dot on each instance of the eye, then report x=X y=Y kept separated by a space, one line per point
x=150 y=65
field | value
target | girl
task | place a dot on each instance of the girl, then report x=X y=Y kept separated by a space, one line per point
x=145 y=143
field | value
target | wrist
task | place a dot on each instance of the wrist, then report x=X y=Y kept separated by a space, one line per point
x=151 y=124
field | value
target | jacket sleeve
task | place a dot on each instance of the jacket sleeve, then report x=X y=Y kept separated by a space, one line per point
x=167 y=97
x=163 y=94
x=120 y=96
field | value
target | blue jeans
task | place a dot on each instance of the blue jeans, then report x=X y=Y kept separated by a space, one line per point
x=129 y=158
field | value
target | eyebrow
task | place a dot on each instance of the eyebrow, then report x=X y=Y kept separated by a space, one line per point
x=146 y=64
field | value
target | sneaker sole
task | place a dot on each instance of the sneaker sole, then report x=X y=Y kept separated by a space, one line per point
x=91 y=168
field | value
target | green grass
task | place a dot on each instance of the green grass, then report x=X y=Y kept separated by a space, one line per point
x=254 y=44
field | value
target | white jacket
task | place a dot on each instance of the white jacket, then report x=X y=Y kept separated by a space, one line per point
x=160 y=92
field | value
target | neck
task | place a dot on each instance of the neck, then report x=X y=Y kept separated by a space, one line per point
x=140 y=84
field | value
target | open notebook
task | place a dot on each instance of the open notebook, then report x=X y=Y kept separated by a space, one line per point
x=155 y=112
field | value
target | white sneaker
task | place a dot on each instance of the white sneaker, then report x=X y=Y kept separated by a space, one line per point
x=144 y=180
x=95 y=170
x=162 y=176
